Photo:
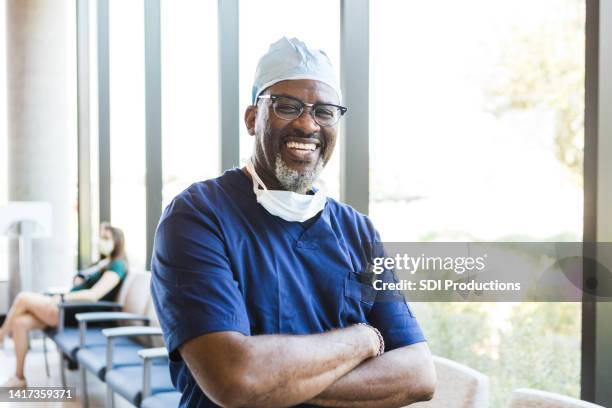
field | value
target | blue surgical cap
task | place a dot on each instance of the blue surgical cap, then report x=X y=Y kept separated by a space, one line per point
x=292 y=59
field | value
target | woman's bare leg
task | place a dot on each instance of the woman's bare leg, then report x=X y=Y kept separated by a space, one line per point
x=15 y=310
x=21 y=325
x=39 y=305
x=43 y=308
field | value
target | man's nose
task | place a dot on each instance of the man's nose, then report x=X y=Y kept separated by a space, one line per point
x=306 y=122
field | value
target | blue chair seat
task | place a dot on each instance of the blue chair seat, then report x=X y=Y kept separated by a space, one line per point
x=162 y=400
x=127 y=381
x=68 y=340
x=93 y=358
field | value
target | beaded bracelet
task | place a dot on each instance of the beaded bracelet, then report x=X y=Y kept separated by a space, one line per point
x=381 y=341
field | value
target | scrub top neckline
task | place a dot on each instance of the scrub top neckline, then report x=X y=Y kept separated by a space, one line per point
x=305 y=236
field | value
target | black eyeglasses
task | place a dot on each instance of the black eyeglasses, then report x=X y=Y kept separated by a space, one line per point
x=289 y=108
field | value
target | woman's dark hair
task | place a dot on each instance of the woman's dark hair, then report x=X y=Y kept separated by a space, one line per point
x=118 y=241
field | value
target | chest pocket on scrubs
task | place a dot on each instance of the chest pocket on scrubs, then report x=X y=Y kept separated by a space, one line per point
x=359 y=296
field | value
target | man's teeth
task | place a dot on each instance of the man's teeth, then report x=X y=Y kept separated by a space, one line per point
x=301 y=146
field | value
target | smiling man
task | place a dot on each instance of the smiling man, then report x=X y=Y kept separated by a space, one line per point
x=261 y=282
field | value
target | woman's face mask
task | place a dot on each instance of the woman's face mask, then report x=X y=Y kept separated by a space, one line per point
x=105 y=246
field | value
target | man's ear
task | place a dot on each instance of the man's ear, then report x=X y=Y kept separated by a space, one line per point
x=250 y=117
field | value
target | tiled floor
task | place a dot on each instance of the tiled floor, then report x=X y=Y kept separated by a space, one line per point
x=36 y=377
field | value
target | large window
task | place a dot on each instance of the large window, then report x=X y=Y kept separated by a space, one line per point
x=477 y=134
x=263 y=23
x=189 y=94
x=127 y=125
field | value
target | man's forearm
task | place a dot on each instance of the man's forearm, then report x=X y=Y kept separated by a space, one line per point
x=397 y=378
x=278 y=370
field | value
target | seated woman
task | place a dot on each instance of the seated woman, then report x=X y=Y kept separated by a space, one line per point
x=30 y=310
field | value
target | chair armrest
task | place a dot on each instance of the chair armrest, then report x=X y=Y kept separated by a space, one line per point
x=132 y=331
x=125 y=331
x=153 y=353
x=147 y=356
x=80 y=304
x=100 y=304
x=84 y=318
x=109 y=317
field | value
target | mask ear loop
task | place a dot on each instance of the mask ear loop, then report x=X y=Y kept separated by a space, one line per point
x=256 y=180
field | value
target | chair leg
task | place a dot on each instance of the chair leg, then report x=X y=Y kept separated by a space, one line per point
x=46 y=357
x=110 y=397
x=84 y=396
x=63 y=368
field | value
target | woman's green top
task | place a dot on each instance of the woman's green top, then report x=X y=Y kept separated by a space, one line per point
x=118 y=266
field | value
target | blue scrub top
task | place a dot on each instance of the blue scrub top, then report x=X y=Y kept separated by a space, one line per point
x=221 y=262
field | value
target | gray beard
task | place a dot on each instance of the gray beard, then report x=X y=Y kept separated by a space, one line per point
x=292 y=180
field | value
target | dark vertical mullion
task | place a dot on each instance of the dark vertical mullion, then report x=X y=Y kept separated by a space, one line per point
x=153 y=120
x=596 y=316
x=104 y=112
x=603 y=315
x=83 y=136
x=229 y=103
x=355 y=82
x=587 y=371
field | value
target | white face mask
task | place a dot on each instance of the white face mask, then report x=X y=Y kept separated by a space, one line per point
x=106 y=246
x=287 y=205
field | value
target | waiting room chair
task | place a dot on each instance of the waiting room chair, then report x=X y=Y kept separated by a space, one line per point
x=152 y=368
x=529 y=398
x=458 y=386
x=94 y=356
x=131 y=299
